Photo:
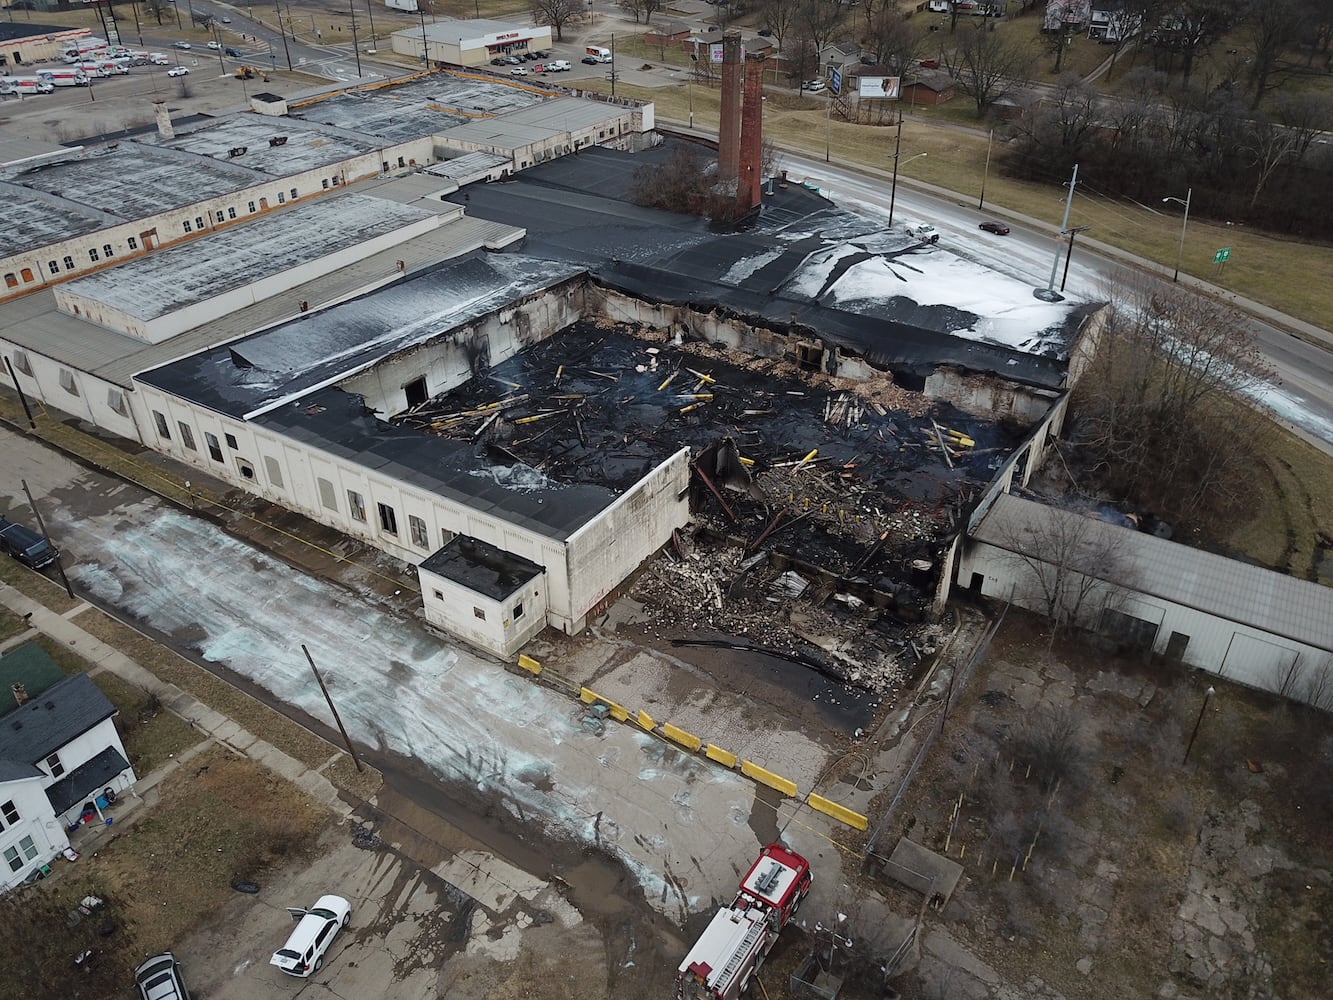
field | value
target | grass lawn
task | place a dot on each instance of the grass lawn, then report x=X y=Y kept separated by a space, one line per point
x=11 y=624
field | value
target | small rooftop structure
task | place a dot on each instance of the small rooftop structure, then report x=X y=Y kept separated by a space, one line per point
x=482 y=567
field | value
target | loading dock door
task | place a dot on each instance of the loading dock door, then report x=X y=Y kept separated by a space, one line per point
x=1257 y=662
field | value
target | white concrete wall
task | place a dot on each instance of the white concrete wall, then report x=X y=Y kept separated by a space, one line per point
x=1236 y=651
x=89 y=401
x=157 y=329
x=36 y=821
x=603 y=553
x=452 y=607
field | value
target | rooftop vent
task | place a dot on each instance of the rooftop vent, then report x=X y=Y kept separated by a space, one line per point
x=278 y=140
x=20 y=692
x=236 y=151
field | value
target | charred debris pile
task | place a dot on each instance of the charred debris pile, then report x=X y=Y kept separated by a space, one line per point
x=821 y=505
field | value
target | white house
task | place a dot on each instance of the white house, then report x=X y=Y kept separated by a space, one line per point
x=59 y=750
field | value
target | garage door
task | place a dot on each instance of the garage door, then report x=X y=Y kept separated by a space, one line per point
x=1257 y=662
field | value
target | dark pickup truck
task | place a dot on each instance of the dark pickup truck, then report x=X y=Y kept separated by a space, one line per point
x=26 y=545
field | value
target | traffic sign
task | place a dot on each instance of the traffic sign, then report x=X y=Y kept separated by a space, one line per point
x=1222 y=256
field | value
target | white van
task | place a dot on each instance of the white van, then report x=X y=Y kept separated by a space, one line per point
x=32 y=85
x=92 y=69
x=158 y=59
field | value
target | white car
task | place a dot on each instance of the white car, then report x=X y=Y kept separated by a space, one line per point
x=180 y=45
x=519 y=71
x=178 y=71
x=814 y=86
x=160 y=979
x=215 y=45
x=316 y=927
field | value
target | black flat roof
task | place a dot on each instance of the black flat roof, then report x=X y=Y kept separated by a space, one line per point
x=482 y=567
x=337 y=422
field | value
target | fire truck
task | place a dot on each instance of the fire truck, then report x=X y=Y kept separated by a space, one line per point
x=733 y=947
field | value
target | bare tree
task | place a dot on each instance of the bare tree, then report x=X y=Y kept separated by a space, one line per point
x=1307 y=115
x=1272 y=28
x=632 y=7
x=157 y=8
x=819 y=21
x=1127 y=23
x=1162 y=414
x=1056 y=743
x=778 y=16
x=1190 y=27
x=1070 y=565
x=556 y=13
x=894 y=40
x=1270 y=145
x=988 y=65
x=1318 y=687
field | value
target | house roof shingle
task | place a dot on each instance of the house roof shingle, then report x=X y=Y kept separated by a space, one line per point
x=44 y=725
x=87 y=780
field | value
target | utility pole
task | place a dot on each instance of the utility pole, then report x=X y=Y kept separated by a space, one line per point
x=278 y=9
x=356 y=46
x=986 y=172
x=336 y=717
x=23 y=397
x=897 y=150
x=370 y=11
x=42 y=525
x=1049 y=293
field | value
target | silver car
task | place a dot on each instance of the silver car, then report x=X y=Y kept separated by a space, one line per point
x=160 y=979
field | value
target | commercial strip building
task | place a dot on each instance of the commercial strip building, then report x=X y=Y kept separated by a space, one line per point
x=470 y=43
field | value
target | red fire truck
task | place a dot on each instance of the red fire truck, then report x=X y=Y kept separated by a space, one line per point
x=740 y=936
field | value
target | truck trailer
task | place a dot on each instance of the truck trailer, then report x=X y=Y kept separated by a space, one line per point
x=738 y=939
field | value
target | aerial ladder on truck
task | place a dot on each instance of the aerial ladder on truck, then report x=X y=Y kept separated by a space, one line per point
x=738 y=939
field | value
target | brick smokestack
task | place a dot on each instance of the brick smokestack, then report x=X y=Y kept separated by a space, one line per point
x=729 y=125
x=163 y=117
x=749 y=191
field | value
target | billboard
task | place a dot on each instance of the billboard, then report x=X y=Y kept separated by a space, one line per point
x=715 y=53
x=885 y=88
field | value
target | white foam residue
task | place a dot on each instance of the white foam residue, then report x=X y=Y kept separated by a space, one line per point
x=519 y=478
x=743 y=269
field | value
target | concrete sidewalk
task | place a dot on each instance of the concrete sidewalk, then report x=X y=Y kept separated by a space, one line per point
x=217 y=727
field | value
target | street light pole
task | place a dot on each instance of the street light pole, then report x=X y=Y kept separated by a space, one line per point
x=1207 y=697
x=1189 y=194
x=897 y=149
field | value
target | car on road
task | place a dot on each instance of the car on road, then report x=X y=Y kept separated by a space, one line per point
x=309 y=942
x=519 y=71
x=814 y=86
x=590 y=60
x=923 y=231
x=226 y=20
x=994 y=226
x=180 y=45
x=25 y=545
x=215 y=45
x=229 y=51
x=160 y=979
x=178 y=71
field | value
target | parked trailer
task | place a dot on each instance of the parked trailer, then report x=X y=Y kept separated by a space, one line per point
x=734 y=945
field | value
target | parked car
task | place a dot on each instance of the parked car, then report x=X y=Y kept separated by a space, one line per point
x=310 y=941
x=530 y=56
x=180 y=45
x=539 y=54
x=590 y=60
x=215 y=45
x=514 y=61
x=25 y=545
x=992 y=226
x=178 y=71
x=923 y=231
x=497 y=61
x=766 y=32
x=930 y=64
x=160 y=979
x=519 y=71
x=814 y=86
x=226 y=20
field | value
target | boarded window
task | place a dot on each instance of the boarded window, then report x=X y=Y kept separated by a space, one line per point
x=11 y=280
x=231 y=441
x=163 y=431
x=214 y=448
x=187 y=435
x=116 y=400
x=326 y=494
x=479 y=614
x=274 y=470
x=21 y=362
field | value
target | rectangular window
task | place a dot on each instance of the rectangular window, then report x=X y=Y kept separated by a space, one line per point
x=220 y=216
x=53 y=266
x=518 y=611
x=274 y=470
x=357 y=505
x=12 y=857
x=92 y=255
x=29 y=848
x=10 y=813
x=57 y=768
x=69 y=263
x=21 y=362
x=231 y=442
x=199 y=222
x=337 y=181
x=186 y=226
x=106 y=250
x=388 y=519
x=439 y=594
x=282 y=198
x=325 y=182
x=214 y=448
x=252 y=206
x=231 y=214
x=67 y=382
x=116 y=400
x=479 y=614
x=293 y=193
x=187 y=435
x=133 y=242
x=326 y=495
x=417 y=527
x=162 y=430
